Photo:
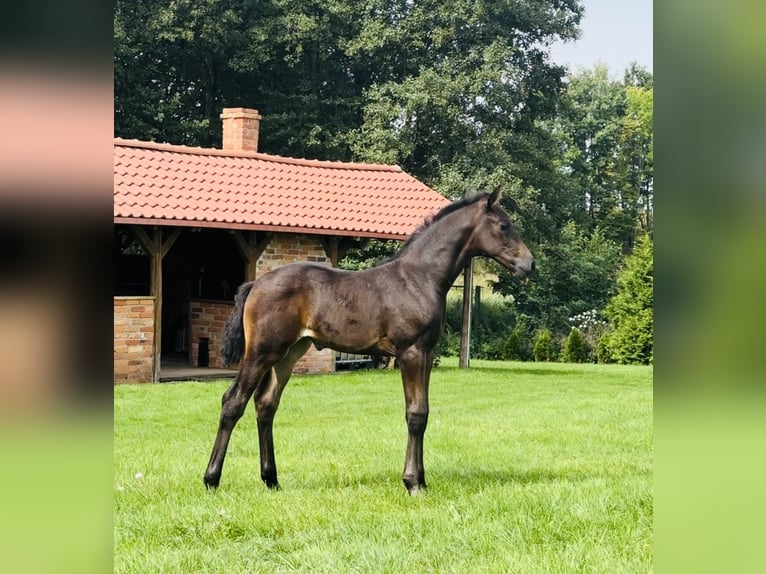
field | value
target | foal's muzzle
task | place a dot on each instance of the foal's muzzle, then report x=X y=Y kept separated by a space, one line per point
x=524 y=268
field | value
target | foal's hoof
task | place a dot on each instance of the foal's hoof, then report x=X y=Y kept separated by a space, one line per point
x=211 y=482
x=269 y=478
x=415 y=488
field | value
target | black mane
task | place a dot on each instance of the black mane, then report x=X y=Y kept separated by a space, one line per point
x=429 y=221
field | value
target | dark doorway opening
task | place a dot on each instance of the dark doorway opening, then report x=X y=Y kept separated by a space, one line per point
x=202 y=264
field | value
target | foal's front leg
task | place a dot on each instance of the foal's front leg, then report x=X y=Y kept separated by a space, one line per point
x=416 y=371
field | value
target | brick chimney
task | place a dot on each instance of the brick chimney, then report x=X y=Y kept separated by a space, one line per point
x=240 y=129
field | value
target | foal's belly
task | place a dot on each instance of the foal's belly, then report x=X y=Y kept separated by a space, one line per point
x=349 y=341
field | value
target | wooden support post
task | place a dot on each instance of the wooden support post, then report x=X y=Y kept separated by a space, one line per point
x=146 y=242
x=331 y=249
x=476 y=309
x=465 y=331
x=157 y=292
x=157 y=249
x=170 y=241
x=251 y=247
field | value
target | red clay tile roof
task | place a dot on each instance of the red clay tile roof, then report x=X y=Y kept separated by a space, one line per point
x=176 y=185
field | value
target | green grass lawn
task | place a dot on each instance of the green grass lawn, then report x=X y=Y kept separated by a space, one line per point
x=531 y=468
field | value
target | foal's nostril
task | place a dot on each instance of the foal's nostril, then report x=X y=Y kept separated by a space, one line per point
x=532 y=266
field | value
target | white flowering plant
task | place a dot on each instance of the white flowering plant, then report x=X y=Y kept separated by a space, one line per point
x=592 y=324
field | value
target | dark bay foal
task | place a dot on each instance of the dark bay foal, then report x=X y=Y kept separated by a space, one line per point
x=395 y=309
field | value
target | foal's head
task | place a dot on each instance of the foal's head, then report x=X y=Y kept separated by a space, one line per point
x=495 y=237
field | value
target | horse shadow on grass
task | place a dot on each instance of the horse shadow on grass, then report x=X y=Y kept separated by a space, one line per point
x=465 y=478
x=478 y=476
x=515 y=371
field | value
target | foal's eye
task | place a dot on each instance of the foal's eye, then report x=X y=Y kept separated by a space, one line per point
x=505 y=226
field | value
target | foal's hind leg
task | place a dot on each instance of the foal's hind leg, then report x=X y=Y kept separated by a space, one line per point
x=266 y=404
x=233 y=404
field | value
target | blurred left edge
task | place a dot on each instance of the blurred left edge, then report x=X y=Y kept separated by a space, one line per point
x=56 y=113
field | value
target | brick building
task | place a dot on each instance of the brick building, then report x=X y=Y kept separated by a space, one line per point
x=191 y=224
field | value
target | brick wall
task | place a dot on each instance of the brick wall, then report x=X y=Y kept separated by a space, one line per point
x=207 y=321
x=133 y=337
x=288 y=248
x=316 y=361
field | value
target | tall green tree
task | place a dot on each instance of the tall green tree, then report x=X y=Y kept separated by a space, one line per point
x=635 y=161
x=335 y=78
x=459 y=89
x=574 y=273
x=631 y=310
x=172 y=66
x=605 y=137
x=177 y=64
x=593 y=106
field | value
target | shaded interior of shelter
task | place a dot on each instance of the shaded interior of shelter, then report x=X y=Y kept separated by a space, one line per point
x=203 y=264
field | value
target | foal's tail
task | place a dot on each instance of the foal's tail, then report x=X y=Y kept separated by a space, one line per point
x=233 y=345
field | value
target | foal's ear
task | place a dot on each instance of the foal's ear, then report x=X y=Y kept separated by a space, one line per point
x=493 y=198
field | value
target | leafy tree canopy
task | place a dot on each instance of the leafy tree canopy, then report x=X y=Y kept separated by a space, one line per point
x=329 y=76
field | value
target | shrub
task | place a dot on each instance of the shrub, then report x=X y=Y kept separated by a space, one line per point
x=513 y=349
x=603 y=353
x=543 y=349
x=575 y=350
x=592 y=326
x=491 y=350
x=631 y=309
x=492 y=321
x=449 y=344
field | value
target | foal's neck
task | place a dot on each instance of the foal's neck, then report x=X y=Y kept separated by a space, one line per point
x=443 y=250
